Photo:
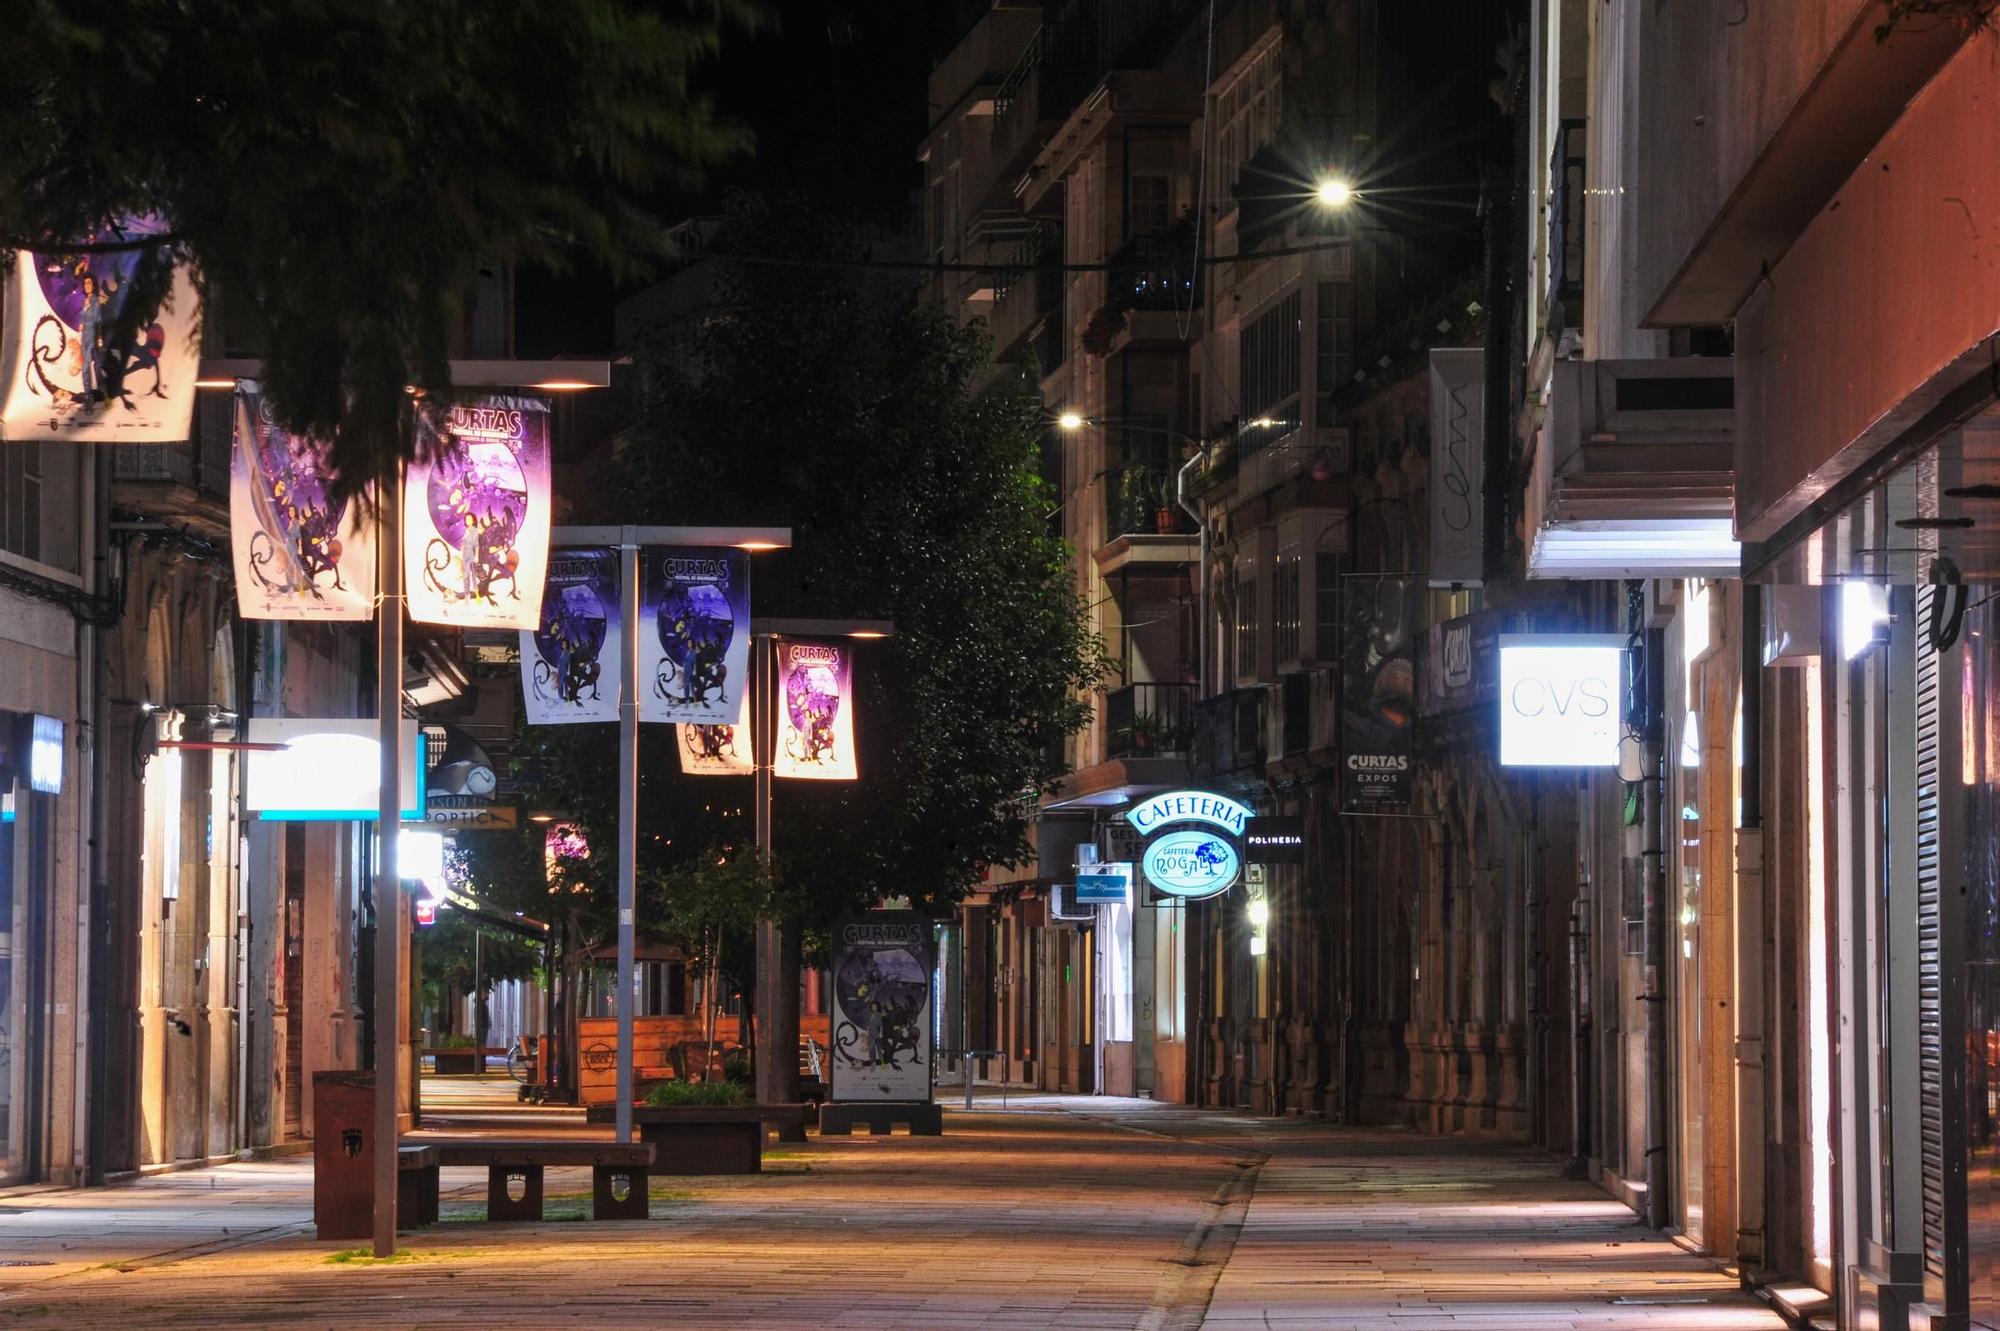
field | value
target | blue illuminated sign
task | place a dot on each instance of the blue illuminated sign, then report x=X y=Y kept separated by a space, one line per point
x=1103 y=884
x=1191 y=864
x=1189 y=806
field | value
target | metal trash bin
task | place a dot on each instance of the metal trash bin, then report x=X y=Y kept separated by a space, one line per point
x=344 y=1154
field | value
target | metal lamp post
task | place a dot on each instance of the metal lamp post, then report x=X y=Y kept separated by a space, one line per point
x=629 y=540
x=777 y=966
x=391 y=916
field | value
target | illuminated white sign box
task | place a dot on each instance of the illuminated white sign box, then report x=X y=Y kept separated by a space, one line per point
x=1560 y=699
x=329 y=770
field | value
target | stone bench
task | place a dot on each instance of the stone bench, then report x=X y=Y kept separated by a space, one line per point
x=614 y=1168
x=923 y=1118
x=705 y=1139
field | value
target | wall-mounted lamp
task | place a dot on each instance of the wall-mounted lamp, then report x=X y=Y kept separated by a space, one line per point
x=1864 y=617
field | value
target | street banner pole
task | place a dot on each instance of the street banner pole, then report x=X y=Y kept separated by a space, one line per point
x=629 y=541
x=628 y=815
x=389 y=920
x=770 y=992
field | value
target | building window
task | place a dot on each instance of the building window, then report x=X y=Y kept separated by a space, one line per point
x=1333 y=342
x=1246 y=628
x=39 y=497
x=1269 y=347
x=1285 y=608
x=21 y=499
x=1247 y=115
x=1151 y=208
x=1326 y=606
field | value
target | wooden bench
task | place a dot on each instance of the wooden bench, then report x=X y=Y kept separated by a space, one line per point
x=706 y=1139
x=615 y=1169
x=416 y=1185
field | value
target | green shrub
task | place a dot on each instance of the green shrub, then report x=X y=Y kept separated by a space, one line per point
x=455 y=1042
x=669 y=1094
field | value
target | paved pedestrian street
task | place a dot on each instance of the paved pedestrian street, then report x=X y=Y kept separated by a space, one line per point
x=1049 y=1212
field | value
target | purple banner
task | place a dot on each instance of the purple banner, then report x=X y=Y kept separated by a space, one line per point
x=569 y=665
x=299 y=553
x=476 y=517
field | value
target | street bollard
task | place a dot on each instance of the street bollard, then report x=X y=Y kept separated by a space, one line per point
x=968 y=1079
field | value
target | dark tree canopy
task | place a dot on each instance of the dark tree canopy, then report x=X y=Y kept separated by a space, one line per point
x=830 y=403
x=339 y=170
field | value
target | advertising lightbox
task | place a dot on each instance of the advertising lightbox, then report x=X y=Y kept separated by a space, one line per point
x=1560 y=699
x=328 y=770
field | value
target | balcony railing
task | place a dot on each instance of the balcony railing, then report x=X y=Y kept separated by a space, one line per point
x=1027 y=286
x=1229 y=732
x=1564 y=305
x=1139 y=500
x=1156 y=272
x=1048 y=80
x=1149 y=720
x=201 y=464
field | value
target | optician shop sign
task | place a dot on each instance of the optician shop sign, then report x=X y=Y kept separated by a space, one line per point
x=1194 y=842
x=1560 y=699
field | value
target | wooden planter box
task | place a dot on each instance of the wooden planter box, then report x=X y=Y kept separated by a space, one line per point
x=456 y=1062
x=705 y=1139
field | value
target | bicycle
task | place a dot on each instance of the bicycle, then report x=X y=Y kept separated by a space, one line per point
x=521 y=1067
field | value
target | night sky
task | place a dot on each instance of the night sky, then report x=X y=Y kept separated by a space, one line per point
x=835 y=94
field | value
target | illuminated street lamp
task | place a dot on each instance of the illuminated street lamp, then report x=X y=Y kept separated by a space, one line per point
x=777 y=966
x=628 y=541
x=1334 y=192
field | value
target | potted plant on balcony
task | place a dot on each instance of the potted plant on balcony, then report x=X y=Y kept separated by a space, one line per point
x=1163 y=504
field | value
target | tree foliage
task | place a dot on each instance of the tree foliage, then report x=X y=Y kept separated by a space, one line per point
x=339 y=170
x=832 y=403
x=453 y=962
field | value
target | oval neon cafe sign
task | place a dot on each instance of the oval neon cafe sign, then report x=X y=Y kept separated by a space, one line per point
x=1192 y=864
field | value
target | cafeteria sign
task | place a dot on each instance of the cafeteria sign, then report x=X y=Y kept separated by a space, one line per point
x=1193 y=847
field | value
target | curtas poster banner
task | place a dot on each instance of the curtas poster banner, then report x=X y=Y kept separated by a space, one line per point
x=299 y=552
x=815 y=710
x=69 y=373
x=694 y=648
x=1378 y=706
x=569 y=665
x=881 y=1007
x=718 y=750
x=476 y=516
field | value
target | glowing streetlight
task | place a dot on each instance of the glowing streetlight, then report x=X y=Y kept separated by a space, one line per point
x=1334 y=193
x=1070 y=420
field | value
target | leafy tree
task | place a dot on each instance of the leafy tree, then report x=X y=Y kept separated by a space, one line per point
x=453 y=962
x=829 y=401
x=339 y=169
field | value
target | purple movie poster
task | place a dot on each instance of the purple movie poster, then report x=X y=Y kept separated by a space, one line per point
x=815 y=710
x=476 y=517
x=694 y=648
x=569 y=665
x=299 y=552
x=67 y=372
